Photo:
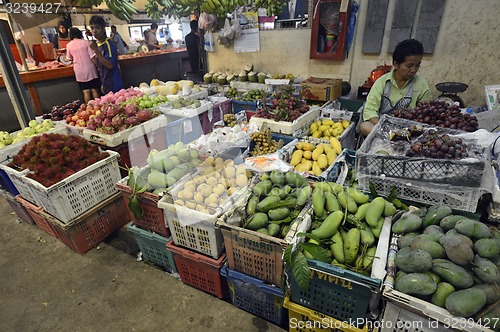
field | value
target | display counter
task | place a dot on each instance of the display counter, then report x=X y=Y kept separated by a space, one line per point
x=51 y=87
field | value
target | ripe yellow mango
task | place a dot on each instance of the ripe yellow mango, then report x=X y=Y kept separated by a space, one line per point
x=327 y=148
x=323 y=161
x=323 y=128
x=313 y=128
x=345 y=123
x=306 y=166
x=316 y=134
x=317 y=152
x=307 y=155
x=316 y=169
x=299 y=146
x=296 y=157
x=307 y=146
x=337 y=147
x=327 y=122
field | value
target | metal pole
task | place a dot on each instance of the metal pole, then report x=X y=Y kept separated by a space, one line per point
x=15 y=88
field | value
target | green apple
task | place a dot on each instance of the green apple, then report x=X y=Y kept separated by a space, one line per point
x=7 y=140
x=47 y=123
x=29 y=131
x=33 y=124
x=41 y=129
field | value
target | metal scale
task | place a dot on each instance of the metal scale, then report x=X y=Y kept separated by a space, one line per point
x=449 y=92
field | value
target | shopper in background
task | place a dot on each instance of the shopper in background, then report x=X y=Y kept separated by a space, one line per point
x=150 y=36
x=61 y=39
x=106 y=58
x=193 y=46
x=86 y=74
x=400 y=88
x=118 y=40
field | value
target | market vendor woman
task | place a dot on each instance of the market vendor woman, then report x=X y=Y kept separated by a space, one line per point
x=400 y=88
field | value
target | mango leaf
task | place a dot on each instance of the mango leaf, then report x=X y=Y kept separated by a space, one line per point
x=318 y=252
x=373 y=191
x=309 y=236
x=300 y=270
x=135 y=208
x=393 y=194
x=287 y=255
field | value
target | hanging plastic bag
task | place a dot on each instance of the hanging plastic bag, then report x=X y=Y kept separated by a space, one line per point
x=236 y=27
x=209 y=41
x=208 y=22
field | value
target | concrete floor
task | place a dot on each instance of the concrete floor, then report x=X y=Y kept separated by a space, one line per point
x=45 y=286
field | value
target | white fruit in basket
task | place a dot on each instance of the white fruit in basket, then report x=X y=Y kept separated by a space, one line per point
x=226 y=130
x=186 y=90
x=239 y=136
x=217 y=131
x=230 y=137
x=236 y=128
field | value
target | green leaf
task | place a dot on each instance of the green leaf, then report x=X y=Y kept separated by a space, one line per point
x=318 y=252
x=287 y=255
x=309 y=236
x=300 y=270
x=373 y=191
x=135 y=208
x=393 y=194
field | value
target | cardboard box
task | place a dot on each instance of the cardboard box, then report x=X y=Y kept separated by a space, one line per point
x=321 y=89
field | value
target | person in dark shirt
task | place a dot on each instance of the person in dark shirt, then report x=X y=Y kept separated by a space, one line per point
x=193 y=46
x=61 y=39
x=106 y=58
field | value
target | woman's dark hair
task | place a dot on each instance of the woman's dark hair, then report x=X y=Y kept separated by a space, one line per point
x=98 y=20
x=193 y=25
x=154 y=25
x=75 y=33
x=406 y=48
x=61 y=23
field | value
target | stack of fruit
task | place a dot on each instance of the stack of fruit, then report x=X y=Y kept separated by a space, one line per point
x=276 y=202
x=253 y=96
x=327 y=128
x=33 y=128
x=210 y=187
x=448 y=259
x=232 y=93
x=230 y=120
x=53 y=157
x=264 y=144
x=59 y=113
x=284 y=107
x=308 y=157
x=344 y=232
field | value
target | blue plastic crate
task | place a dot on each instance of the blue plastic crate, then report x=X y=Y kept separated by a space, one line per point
x=255 y=296
x=6 y=183
x=185 y=130
x=154 y=248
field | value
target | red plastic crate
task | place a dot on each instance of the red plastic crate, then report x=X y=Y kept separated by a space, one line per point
x=36 y=213
x=152 y=219
x=17 y=207
x=87 y=231
x=199 y=271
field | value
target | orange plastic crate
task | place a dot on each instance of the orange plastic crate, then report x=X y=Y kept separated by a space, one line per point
x=36 y=213
x=152 y=219
x=197 y=270
x=87 y=231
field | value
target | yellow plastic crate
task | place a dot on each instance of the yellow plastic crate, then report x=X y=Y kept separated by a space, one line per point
x=302 y=319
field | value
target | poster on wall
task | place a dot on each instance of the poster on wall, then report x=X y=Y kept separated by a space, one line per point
x=249 y=41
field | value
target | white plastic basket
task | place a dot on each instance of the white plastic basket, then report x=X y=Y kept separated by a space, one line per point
x=73 y=196
x=285 y=127
x=458 y=198
x=122 y=136
x=397 y=319
x=185 y=112
x=194 y=229
x=11 y=150
x=202 y=94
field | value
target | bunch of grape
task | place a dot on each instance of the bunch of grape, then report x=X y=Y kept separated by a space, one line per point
x=264 y=144
x=230 y=120
x=432 y=145
x=440 y=114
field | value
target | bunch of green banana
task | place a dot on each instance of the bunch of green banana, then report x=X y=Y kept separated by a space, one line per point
x=219 y=7
x=273 y=7
x=153 y=10
x=122 y=9
x=178 y=11
x=87 y=3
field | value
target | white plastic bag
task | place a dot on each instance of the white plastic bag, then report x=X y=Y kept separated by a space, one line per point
x=209 y=42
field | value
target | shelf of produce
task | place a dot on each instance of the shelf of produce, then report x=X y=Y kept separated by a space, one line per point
x=288 y=128
x=74 y=195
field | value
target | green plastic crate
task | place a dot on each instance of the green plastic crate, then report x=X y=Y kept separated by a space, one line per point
x=154 y=248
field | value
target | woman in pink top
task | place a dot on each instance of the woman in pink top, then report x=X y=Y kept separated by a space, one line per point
x=86 y=74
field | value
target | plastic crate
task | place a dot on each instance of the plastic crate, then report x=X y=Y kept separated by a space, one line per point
x=458 y=198
x=153 y=248
x=75 y=195
x=153 y=218
x=197 y=270
x=288 y=128
x=255 y=296
x=90 y=229
x=397 y=319
x=123 y=136
x=340 y=293
x=465 y=173
x=17 y=207
x=302 y=319
x=256 y=254
x=185 y=130
x=247 y=106
x=6 y=183
x=39 y=218
x=216 y=114
x=344 y=162
x=185 y=112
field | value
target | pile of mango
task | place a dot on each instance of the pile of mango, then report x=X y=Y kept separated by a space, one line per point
x=210 y=187
x=276 y=202
x=347 y=224
x=315 y=158
x=327 y=128
x=448 y=260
